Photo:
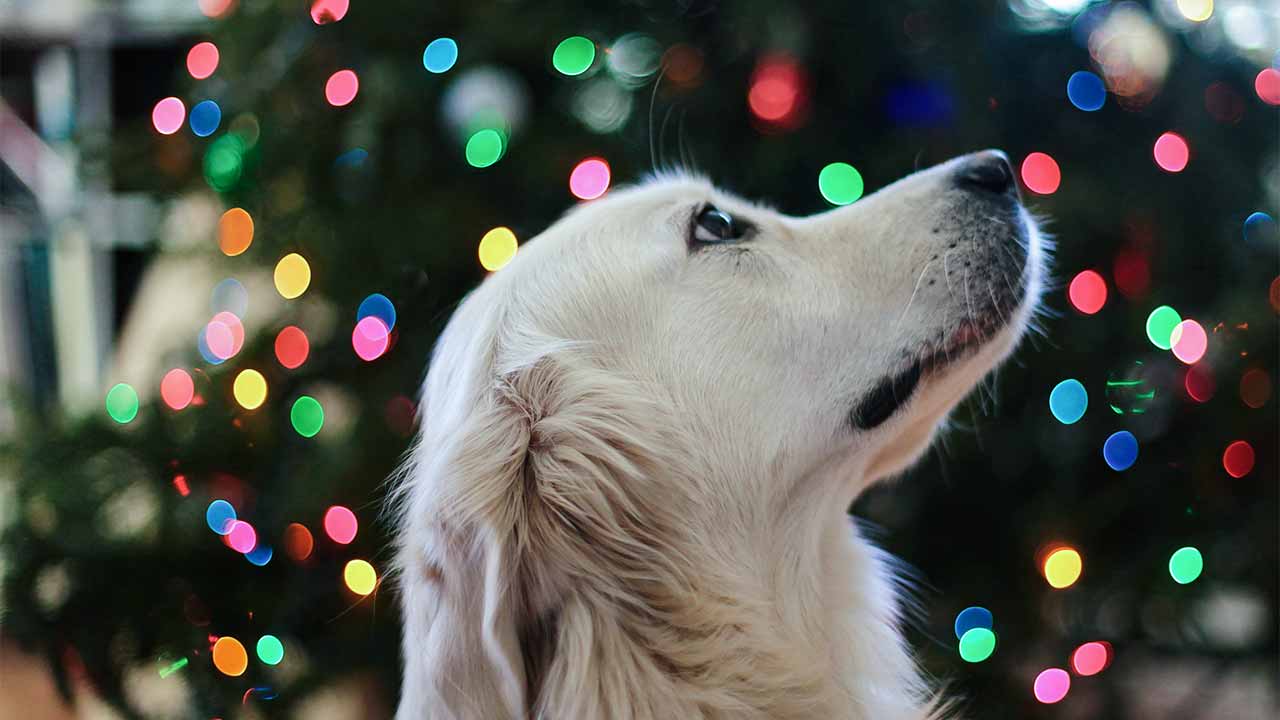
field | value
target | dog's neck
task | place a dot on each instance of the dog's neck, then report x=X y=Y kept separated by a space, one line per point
x=795 y=622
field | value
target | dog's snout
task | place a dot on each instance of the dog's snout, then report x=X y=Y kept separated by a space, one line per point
x=987 y=171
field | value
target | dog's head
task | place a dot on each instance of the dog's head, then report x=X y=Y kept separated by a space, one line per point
x=671 y=356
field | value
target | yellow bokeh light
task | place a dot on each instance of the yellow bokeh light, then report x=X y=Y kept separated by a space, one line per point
x=1063 y=567
x=229 y=656
x=250 y=389
x=497 y=247
x=360 y=577
x=293 y=275
x=1196 y=10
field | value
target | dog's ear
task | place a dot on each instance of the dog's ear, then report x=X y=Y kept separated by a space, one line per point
x=460 y=518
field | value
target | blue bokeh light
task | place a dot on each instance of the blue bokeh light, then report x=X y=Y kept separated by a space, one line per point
x=440 y=55
x=1120 y=450
x=205 y=118
x=973 y=617
x=220 y=516
x=229 y=296
x=1260 y=229
x=379 y=306
x=1068 y=400
x=1086 y=91
x=260 y=555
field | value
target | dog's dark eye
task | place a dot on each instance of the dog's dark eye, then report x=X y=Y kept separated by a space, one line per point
x=713 y=226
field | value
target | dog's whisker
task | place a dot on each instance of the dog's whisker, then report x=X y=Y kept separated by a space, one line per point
x=912 y=299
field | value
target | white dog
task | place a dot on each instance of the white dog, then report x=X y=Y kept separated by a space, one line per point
x=641 y=438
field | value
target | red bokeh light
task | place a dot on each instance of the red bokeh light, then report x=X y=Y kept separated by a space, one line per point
x=1237 y=460
x=1091 y=658
x=1040 y=173
x=1088 y=292
x=292 y=347
x=1267 y=85
x=777 y=92
x=1199 y=383
x=1171 y=152
x=1255 y=388
x=341 y=88
x=202 y=60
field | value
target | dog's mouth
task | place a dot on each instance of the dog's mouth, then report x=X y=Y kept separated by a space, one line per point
x=891 y=393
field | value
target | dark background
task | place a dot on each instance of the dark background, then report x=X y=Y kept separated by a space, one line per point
x=890 y=87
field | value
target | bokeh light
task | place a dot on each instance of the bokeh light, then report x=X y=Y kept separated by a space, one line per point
x=1255 y=388
x=1087 y=292
x=1185 y=565
x=1199 y=383
x=260 y=555
x=370 y=338
x=776 y=94
x=1086 y=91
x=230 y=657
x=219 y=516
x=379 y=306
x=589 y=179
x=298 y=542
x=292 y=347
x=306 y=416
x=633 y=59
x=202 y=60
x=1130 y=389
x=574 y=55
x=341 y=88
x=1160 y=325
x=360 y=577
x=224 y=336
x=205 y=118
x=1040 y=173
x=1120 y=451
x=1171 y=152
x=292 y=276
x=1267 y=85
x=270 y=649
x=682 y=65
x=977 y=644
x=1273 y=294
x=177 y=389
x=1052 y=685
x=324 y=12
x=215 y=8
x=440 y=55
x=973 y=617
x=1062 y=567
x=497 y=248
x=1091 y=658
x=241 y=537
x=1188 y=341
x=484 y=148
x=167 y=116
x=235 y=231
x=1068 y=400
x=1196 y=10
x=340 y=524
x=1238 y=459
x=840 y=183
x=224 y=162
x=1260 y=229
x=229 y=295
x=122 y=403
x=250 y=389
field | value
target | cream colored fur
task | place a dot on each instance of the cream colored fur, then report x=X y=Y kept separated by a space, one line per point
x=628 y=497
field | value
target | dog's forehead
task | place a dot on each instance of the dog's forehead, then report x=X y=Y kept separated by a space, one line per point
x=654 y=194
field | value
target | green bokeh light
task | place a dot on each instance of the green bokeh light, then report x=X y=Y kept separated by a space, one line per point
x=224 y=162
x=1186 y=565
x=1160 y=325
x=485 y=148
x=840 y=183
x=122 y=403
x=574 y=55
x=307 y=416
x=270 y=649
x=977 y=644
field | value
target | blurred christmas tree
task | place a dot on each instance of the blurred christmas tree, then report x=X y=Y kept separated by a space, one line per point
x=381 y=158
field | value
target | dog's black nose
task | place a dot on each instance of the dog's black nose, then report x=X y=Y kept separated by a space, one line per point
x=988 y=171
